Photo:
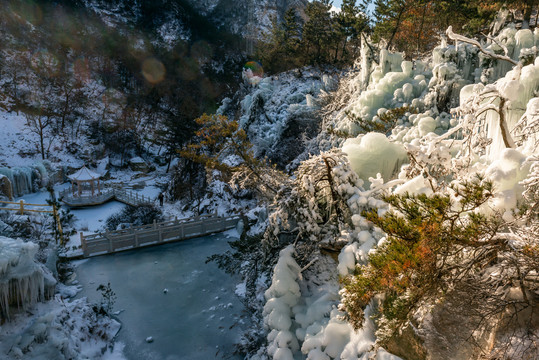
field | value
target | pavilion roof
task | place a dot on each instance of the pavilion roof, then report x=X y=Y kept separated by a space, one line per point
x=84 y=174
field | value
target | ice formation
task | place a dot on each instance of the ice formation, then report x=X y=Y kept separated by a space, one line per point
x=26 y=179
x=373 y=153
x=310 y=323
x=278 y=106
x=60 y=329
x=506 y=173
x=281 y=297
x=23 y=281
x=467 y=114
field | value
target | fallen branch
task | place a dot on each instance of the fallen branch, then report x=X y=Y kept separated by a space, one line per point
x=300 y=276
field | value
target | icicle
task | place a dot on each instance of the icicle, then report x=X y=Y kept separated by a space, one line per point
x=22 y=279
x=26 y=179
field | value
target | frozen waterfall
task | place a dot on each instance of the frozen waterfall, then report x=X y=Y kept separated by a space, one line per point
x=23 y=281
x=25 y=179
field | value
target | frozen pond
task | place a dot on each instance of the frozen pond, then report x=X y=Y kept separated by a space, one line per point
x=200 y=317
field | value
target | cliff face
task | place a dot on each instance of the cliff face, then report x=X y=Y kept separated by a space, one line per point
x=236 y=15
x=246 y=18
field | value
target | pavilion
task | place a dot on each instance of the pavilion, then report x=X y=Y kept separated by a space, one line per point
x=86 y=180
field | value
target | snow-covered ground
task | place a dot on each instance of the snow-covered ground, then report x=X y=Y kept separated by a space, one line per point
x=20 y=146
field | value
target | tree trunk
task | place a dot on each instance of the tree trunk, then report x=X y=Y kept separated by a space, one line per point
x=396 y=27
x=169 y=161
x=506 y=136
x=66 y=108
x=528 y=11
x=41 y=139
x=421 y=29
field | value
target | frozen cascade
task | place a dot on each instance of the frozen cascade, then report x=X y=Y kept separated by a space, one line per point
x=23 y=281
x=523 y=40
x=310 y=322
x=373 y=153
x=516 y=88
x=26 y=179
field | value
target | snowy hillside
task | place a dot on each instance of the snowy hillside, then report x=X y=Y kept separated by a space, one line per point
x=171 y=19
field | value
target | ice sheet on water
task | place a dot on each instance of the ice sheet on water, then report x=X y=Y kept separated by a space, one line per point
x=200 y=304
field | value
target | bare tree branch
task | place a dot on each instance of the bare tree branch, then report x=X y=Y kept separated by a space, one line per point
x=464 y=39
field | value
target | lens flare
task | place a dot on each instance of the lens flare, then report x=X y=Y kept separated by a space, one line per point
x=201 y=51
x=253 y=72
x=153 y=70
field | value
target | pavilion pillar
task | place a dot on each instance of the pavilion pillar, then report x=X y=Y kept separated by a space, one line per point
x=78 y=187
x=92 y=187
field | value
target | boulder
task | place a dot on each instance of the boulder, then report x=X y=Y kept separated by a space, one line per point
x=138 y=164
x=463 y=327
x=5 y=187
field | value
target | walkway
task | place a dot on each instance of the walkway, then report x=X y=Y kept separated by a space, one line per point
x=127 y=197
x=155 y=234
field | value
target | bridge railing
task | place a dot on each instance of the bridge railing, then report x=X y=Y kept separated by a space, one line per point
x=131 y=197
x=106 y=193
x=166 y=231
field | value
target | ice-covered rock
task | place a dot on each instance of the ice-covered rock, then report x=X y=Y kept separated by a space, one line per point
x=373 y=153
x=23 y=281
x=5 y=187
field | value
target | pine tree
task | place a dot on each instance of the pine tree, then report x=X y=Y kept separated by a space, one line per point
x=350 y=23
x=443 y=246
x=282 y=50
x=216 y=140
x=291 y=32
x=318 y=32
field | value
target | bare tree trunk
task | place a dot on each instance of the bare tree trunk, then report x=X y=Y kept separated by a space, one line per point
x=399 y=17
x=41 y=129
x=507 y=139
x=421 y=28
x=169 y=161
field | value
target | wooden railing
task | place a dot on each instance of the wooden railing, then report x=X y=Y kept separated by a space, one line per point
x=26 y=207
x=23 y=207
x=131 y=197
x=156 y=233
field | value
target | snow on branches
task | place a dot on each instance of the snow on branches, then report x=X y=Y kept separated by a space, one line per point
x=323 y=200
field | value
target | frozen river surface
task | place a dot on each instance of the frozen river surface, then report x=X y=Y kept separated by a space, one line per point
x=200 y=317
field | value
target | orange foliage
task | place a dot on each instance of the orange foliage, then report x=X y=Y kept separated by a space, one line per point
x=418 y=30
